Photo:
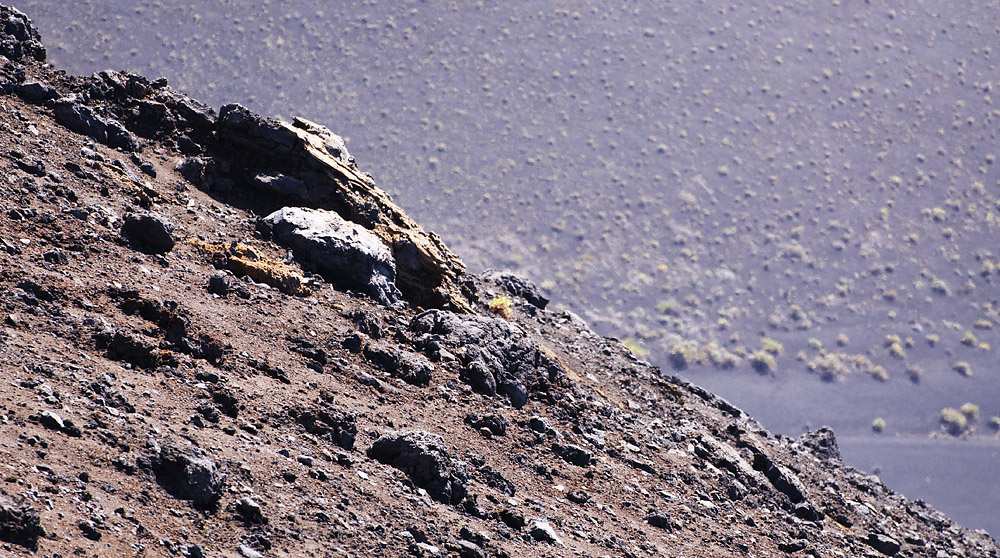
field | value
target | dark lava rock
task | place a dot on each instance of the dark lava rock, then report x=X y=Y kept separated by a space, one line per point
x=345 y=253
x=190 y=475
x=518 y=286
x=498 y=356
x=573 y=454
x=18 y=37
x=84 y=120
x=410 y=367
x=781 y=478
x=250 y=511
x=20 y=524
x=822 y=442
x=542 y=531
x=36 y=92
x=883 y=543
x=660 y=519
x=513 y=519
x=424 y=457
x=149 y=233
x=53 y=421
x=55 y=256
x=496 y=424
x=89 y=530
x=331 y=424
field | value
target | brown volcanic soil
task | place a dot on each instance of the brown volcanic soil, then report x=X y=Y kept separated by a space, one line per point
x=144 y=415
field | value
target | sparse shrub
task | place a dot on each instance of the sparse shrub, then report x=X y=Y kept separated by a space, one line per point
x=940 y=287
x=763 y=362
x=682 y=354
x=502 y=305
x=963 y=368
x=830 y=367
x=815 y=344
x=878 y=425
x=971 y=411
x=932 y=339
x=842 y=340
x=897 y=351
x=953 y=421
x=969 y=339
x=879 y=373
x=638 y=350
x=771 y=346
x=914 y=372
x=667 y=308
x=995 y=423
x=722 y=358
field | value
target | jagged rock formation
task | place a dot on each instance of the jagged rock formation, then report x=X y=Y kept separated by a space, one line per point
x=180 y=399
x=300 y=162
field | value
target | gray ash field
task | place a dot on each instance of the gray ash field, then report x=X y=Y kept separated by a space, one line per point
x=795 y=205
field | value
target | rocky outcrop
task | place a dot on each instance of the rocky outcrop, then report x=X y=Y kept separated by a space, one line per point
x=424 y=457
x=18 y=37
x=303 y=162
x=189 y=474
x=299 y=163
x=345 y=253
x=497 y=357
x=19 y=523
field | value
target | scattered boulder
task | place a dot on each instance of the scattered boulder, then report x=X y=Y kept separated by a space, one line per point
x=90 y=530
x=250 y=511
x=53 y=421
x=412 y=368
x=36 y=92
x=20 y=523
x=189 y=474
x=883 y=543
x=498 y=356
x=83 y=120
x=149 y=232
x=495 y=424
x=424 y=457
x=781 y=478
x=307 y=164
x=822 y=442
x=659 y=518
x=345 y=253
x=574 y=454
x=541 y=531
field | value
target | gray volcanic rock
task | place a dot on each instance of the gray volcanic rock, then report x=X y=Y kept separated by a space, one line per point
x=18 y=37
x=822 y=442
x=149 y=232
x=425 y=458
x=189 y=474
x=19 y=524
x=80 y=118
x=498 y=357
x=344 y=253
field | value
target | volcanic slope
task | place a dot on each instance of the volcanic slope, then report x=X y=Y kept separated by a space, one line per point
x=178 y=381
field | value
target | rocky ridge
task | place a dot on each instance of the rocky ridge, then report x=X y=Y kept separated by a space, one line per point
x=180 y=382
